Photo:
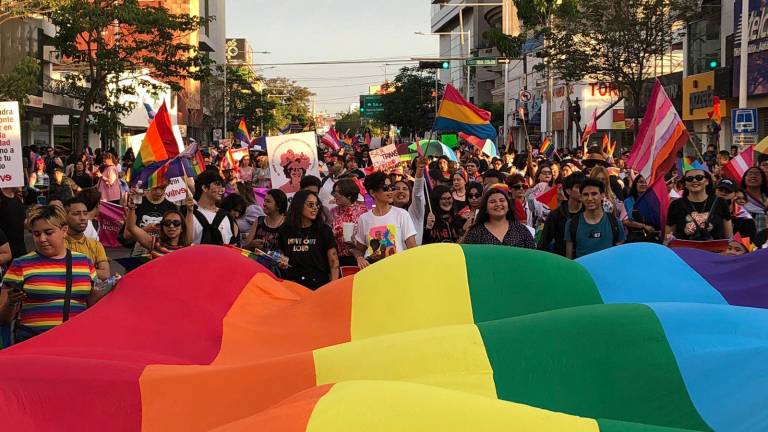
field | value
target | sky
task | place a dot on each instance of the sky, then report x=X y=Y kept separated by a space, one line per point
x=323 y=30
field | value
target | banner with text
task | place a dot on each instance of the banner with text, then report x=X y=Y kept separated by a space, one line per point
x=385 y=158
x=11 y=164
x=176 y=190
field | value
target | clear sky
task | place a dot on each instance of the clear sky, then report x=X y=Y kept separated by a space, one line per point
x=322 y=30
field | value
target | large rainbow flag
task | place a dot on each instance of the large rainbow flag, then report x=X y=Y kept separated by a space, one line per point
x=159 y=143
x=457 y=115
x=662 y=134
x=537 y=344
x=242 y=135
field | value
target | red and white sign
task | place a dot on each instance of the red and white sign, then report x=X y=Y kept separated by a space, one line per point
x=385 y=158
x=11 y=164
x=176 y=190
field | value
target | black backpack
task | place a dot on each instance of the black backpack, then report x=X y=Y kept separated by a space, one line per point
x=211 y=234
x=611 y=219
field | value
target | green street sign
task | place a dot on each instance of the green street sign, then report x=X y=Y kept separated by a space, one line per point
x=370 y=106
x=483 y=61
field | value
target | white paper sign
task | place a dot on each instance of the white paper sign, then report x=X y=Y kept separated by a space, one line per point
x=176 y=190
x=385 y=158
x=11 y=163
x=291 y=157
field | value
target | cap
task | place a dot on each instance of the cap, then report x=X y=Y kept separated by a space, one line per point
x=727 y=184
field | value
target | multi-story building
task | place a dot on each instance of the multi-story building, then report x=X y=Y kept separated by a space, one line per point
x=460 y=30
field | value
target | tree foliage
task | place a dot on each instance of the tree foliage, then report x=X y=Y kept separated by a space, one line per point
x=15 y=9
x=21 y=81
x=348 y=120
x=293 y=102
x=113 y=42
x=412 y=105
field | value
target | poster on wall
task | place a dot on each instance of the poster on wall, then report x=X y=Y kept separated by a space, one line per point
x=291 y=157
x=11 y=163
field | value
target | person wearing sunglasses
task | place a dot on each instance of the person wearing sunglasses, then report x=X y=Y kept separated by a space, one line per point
x=699 y=215
x=174 y=232
x=385 y=230
x=307 y=243
x=530 y=211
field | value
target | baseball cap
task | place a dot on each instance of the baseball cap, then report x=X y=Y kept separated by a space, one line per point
x=727 y=184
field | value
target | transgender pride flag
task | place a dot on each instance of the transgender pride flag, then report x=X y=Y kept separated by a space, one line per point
x=662 y=134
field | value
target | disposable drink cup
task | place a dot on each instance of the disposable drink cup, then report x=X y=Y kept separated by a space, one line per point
x=348 y=230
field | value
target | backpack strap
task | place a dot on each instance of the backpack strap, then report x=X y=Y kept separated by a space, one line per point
x=68 y=292
x=614 y=227
x=219 y=218
x=575 y=228
x=201 y=218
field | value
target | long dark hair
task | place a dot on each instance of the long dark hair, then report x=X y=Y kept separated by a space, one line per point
x=164 y=240
x=633 y=190
x=763 y=185
x=281 y=200
x=293 y=217
x=482 y=214
x=438 y=192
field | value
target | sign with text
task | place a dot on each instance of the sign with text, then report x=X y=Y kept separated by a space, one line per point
x=385 y=158
x=370 y=106
x=11 y=165
x=176 y=190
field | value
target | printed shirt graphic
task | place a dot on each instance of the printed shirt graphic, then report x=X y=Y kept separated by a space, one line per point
x=382 y=241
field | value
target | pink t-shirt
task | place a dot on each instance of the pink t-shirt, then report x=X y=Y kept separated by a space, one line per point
x=109 y=184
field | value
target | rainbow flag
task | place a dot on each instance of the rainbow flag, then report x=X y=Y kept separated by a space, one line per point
x=477 y=347
x=457 y=115
x=159 y=142
x=662 y=134
x=242 y=135
x=547 y=148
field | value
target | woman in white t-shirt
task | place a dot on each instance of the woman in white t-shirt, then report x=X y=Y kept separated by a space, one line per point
x=385 y=230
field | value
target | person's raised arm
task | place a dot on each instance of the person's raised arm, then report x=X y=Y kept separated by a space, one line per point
x=141 y=236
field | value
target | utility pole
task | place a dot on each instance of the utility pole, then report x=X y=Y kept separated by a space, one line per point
x=744 y=54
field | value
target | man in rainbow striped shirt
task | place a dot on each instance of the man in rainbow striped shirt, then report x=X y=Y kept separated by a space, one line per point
x=49 y=285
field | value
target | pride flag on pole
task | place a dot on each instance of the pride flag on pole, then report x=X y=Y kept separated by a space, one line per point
x=486 y=146
x=457 y=115
x=159 y=142
x=242 y=135
x=547 y=148
x=662 y=134
x=331 y=140
x=739 y=165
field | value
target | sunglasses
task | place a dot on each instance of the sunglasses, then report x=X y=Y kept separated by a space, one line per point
x=172 y=223
x=518 y=186
x=388 y=188
x=473 y=196
x=311 y=205
x=698 y=178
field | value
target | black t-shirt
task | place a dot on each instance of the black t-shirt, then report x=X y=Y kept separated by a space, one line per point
x=83 y=180
x=306 y=249
x=684 y=216
x=12 y=217
x=148 y=213
x=267 y=234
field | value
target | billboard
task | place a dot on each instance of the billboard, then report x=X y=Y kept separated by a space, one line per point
x=757 y=72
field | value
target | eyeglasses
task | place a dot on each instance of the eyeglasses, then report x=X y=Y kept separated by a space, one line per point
x=388 y=188
x=474 y=196
x=698 y=178
x=311 y=205
x=446 y=199
x=172 y=223
x=518 y=186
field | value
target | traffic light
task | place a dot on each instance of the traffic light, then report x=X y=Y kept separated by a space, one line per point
x=362 y=104
x=443 y=64
x=713 y=64
x=576 y=111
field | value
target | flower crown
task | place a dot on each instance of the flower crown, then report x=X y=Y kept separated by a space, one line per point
x=290 y=157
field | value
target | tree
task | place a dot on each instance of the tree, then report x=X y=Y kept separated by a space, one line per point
x=115 y=43
x=349 y=120
x=21 y=81
x=248 y=101
x=497 y=113
x=294 y=102
x=412 y=105
x=15 y=9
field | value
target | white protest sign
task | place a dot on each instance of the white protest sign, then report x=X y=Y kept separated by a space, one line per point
x=291 y=157
x=11 y=164
x=385 y=158
x=176 y=190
